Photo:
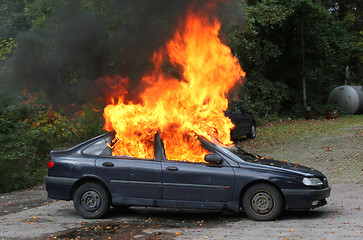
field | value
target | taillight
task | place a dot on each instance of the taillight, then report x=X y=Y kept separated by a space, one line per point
x=50 y=164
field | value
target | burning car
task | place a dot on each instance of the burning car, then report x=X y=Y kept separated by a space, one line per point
x=161 y=149
x=228 y=179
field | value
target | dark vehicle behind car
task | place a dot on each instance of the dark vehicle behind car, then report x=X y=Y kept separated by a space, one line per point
x=229 y=179
x=244 y=125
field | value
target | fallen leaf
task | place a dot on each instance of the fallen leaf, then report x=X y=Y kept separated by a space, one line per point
x=357 y=208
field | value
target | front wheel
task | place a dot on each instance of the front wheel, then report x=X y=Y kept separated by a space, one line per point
x=91 y=200
x=262 y=202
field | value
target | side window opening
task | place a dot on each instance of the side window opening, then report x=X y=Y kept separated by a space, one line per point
x=159 y=150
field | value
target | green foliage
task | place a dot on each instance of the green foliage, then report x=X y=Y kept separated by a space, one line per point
x=263 y=97
x=13 y=18
x=29 y=130
x=6 y=47
x=39 y=11
x=284 y=41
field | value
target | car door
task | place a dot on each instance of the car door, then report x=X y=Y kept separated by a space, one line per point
x=131 y=177
x=197 y=181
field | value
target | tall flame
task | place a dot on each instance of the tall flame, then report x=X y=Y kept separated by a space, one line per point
x=179 y=108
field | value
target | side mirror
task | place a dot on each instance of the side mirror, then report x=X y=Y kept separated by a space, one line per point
x=213 y=158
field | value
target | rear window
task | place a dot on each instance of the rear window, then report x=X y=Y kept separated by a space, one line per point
x=98 y=148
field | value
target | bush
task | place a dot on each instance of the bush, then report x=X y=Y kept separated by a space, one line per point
x=263 y=97
x=29 y=130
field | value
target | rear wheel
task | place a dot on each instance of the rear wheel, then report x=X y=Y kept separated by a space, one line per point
x=252 y=133
x=91 y=200
x=262 y=202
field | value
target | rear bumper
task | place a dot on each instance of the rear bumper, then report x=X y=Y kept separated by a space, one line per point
x=305 y=198
x=59 y=187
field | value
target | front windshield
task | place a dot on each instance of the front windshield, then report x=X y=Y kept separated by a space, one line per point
x=230 y=151
x=246 y=156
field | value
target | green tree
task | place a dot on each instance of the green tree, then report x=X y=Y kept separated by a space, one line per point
x=285 y=42
x=13 y=18
x=351 y=12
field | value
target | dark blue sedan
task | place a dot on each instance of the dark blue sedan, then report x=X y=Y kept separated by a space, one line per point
x=230 y=179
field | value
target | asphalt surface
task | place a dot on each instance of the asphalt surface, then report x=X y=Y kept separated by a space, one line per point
x=29 y=214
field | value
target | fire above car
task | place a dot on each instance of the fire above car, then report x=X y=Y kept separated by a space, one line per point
x=191 y=100
x=228 y=179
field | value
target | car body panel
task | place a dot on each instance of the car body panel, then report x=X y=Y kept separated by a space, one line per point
x=59 y=187
x=130 y=180
x=303 y=199
x=197 y=182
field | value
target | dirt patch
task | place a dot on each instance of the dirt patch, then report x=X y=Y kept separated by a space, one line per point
x=150 y=224
x=22 y=200
x=127 y=230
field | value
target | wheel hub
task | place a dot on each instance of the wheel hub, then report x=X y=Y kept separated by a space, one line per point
x=262 y=203
x=91 y=201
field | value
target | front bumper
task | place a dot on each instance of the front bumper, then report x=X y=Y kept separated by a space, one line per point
x=305 y=198
x=59 y=187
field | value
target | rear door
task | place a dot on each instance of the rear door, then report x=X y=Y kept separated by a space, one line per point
x=126 y=176
x=133 y=178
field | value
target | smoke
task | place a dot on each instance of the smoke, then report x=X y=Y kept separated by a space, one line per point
x=83 y=41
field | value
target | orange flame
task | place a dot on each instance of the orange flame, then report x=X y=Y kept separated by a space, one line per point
x=179 y=108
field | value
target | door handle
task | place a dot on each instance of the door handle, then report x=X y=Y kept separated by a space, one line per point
x=172 y=168
x=108 y=164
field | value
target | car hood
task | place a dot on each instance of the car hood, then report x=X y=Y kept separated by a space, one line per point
x=285 y=166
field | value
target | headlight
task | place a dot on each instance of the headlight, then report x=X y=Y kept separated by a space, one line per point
x=312 y=181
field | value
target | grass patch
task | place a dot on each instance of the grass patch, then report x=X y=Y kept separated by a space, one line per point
x=294 y=132
x=285 y=129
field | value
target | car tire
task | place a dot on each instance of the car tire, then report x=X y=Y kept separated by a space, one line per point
x=262 y=202
x=91 y=200
x=252 y=133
